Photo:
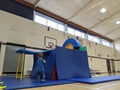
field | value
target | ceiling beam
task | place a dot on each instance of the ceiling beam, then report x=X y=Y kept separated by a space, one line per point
x=77 y=12
x=61 y=19
x=90 y=5
x=117 y=39
x=102 y=21
x=51 y=14
x=112 y=31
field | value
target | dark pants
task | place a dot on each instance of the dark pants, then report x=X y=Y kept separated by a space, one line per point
x=41 y=76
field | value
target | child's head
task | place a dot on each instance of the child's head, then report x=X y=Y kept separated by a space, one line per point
x=40 y=55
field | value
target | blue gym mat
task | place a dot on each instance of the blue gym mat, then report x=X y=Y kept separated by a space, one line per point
x=96 y=80
x=13 y=84
x=71 y=63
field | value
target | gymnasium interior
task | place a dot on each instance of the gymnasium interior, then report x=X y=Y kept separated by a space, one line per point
x=80 y=40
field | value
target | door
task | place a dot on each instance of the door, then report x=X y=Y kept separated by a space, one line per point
x=108 y=66
x=11 y=59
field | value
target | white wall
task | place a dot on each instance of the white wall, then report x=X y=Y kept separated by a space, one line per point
x=117 y=54
x=19 y=30
x=2 y=54
x=98 y=64
x=117 y=49
x=117 y=65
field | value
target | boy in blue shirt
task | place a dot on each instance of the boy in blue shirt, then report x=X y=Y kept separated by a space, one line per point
x=40 y=67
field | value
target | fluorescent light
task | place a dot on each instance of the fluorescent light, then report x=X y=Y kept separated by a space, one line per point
x=117 y=22
x=103 y=10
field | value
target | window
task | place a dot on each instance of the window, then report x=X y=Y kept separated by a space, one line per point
x=61 y=27
x=90 y=37
x=71 y=31
x=93 y=38
x=48 y=21
x=104 y=42
x=111 y=44
x=52 y=24
x=40 y=19
x=107 y=43
x=83 y=35
x=78 y=33
x=96 y=39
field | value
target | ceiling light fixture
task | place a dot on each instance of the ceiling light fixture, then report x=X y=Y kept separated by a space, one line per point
x=117 y=22
x=103 y=10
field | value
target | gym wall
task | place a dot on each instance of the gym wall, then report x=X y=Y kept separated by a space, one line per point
x=20 y=30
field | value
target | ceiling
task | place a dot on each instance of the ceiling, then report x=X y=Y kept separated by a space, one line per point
x=86 y=13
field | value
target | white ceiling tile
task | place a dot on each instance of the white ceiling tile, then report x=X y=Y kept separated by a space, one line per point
x=63 y=8
x=31 y=1
x=114 y=35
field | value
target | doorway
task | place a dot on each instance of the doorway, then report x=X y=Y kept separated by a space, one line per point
x=108 y=66
x=11 y=58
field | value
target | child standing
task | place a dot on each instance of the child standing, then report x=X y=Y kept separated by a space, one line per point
x=40 y=68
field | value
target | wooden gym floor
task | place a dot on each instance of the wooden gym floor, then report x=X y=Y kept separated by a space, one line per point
x=112 y=85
